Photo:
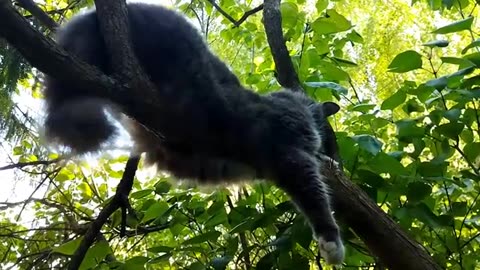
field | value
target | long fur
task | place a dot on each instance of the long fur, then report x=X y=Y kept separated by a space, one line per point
x=215 y=129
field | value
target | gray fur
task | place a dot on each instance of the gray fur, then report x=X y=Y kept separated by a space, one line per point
x=216 y=130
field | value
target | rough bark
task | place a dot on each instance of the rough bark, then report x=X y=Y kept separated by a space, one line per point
x=114 y=25
x=382 y=235
x=286 y=74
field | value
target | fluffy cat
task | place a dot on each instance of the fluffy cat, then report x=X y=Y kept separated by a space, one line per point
x=215 y=129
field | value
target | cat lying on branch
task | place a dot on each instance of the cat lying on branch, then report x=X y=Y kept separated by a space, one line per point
x=215 y=130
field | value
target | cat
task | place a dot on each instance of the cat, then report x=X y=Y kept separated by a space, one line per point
x=214 y=129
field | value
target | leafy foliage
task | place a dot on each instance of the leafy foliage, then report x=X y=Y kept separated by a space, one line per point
x=408 y=132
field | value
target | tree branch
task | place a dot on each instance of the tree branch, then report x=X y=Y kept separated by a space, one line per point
x=236 y=23
x=123 y=189
x=272 y=20
x=384 y=238
x=38 y=13
x=54 y=61
x=113 y=20
x=31 y=163
x=248 y=14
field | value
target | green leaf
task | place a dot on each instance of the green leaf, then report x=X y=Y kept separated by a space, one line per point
x=155 y=210
x=459 y=209
x=141 y=193
x=407 y=130
x=417 y=191
x=437 y=43
x=196 y=266
x=364 y=108
x=243 y=226
x=219 y=218
x=457 y=61
x=371 y=178
x=405 y=61
x=162 y=187
x=369 y=143
x=18 y=150
x=412 y=106
x=69 y=247
x=432 y=169
x=423 y=213
x=208 y=236
x=330 y=85
x=474 y=44
x=136 y=263
x=452 y=114
x=457 y=26
x=289 y=13
x=472 y=151
x=474 y=58
x=95 y=254
x=331 y=23
x=439 y=83
x=161 y=258
x=355 y=37
x=321 y=5
x=331 y=72
x=451 y=130
x=394 y=100
x=221 y=263
x=383 y=163
x=160 y=249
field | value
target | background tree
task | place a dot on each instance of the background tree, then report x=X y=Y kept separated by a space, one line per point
x=408 y=134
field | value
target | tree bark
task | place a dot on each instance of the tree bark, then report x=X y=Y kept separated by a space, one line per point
x=382 y=235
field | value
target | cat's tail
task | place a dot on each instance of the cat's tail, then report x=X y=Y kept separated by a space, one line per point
x=78 y=123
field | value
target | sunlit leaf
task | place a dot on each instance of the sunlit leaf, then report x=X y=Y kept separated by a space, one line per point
x=437 y=43
x=406 y=61
x=332 y=23
x=457 y=26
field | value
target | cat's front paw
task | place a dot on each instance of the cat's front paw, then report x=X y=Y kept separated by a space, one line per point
x=332 y=251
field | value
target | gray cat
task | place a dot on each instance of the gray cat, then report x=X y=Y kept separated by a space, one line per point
x=215 y=129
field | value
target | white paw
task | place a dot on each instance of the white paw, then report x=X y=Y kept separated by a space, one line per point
x=332 y=252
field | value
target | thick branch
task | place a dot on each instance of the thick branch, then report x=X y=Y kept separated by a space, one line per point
x=38 y=13
x=54 y=61
x=113 y=21
x=123 y=189
x=272 y=20
x=384 y=238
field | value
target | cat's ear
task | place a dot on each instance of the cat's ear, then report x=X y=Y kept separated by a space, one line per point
x=329 y=108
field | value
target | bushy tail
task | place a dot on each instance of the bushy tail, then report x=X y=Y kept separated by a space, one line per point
x=81 y=124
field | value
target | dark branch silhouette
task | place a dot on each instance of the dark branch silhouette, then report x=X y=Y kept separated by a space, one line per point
x=236 y=23
x=118 y=201
x=20 y=165
x=272 y=19
x=38 y=13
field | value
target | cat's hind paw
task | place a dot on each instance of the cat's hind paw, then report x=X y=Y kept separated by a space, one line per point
x=332 y=252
